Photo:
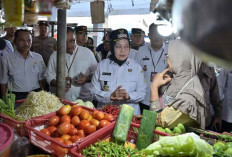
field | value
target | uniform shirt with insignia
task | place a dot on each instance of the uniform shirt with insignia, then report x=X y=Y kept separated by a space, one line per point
x=24 y=74
x=44 y=46
x=84 y=62
x=129 y=75
x=144 y=58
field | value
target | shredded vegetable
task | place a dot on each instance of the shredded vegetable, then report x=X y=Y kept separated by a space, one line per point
x=38 y=104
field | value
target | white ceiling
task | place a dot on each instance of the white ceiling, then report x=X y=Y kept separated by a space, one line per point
x=81 y=8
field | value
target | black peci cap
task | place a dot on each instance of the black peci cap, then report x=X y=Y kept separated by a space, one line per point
x=43 y=23
x=136 y=31
x=80 y=29
x=119 y=34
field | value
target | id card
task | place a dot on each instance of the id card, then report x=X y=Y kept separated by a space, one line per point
x=152 y=76
x=68 y=82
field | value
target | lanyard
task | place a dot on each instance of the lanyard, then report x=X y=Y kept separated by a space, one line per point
x=157 y=61
x=71 y=62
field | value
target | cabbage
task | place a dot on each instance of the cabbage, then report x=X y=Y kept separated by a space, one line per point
x=80 y=102
x=177 y=146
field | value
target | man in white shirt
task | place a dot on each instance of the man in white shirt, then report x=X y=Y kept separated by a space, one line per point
x=23 y=68
x=80 y=65
x=152 y=59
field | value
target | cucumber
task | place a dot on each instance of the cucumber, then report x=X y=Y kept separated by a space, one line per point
x=181 y=127
x=146 y=130
x=177 y=130
x=123 y=124
x=167 y=130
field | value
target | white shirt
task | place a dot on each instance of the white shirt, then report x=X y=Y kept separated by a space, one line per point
x=145 y=57
x=225 y=89
x=7 y=49
x=132 y=54
x=129 y=75
x=24 y=74
x=84 y=62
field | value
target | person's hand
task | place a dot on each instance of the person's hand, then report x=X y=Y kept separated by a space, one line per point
x=119 y=94
x=217 y=123
x=81 y=81
x=160 y=79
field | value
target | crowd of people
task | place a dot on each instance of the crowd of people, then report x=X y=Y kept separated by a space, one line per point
x=157 y=76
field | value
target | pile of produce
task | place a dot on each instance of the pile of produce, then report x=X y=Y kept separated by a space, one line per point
x=181 y=145
x=73 y=123
x=223 y=149
x=38 y=104
x=105 y=149
x=179 y=129
x=111 y=109
x=80 y=102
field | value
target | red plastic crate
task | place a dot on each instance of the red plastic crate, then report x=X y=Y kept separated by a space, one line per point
x=105 y=133
x=49 y=144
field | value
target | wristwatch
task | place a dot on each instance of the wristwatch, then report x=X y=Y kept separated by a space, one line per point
x=155 y=106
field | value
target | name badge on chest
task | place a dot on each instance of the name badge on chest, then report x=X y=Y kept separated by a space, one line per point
x=146 y=58
x=106 y=74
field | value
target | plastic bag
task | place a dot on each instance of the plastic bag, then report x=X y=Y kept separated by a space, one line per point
x=14 y=12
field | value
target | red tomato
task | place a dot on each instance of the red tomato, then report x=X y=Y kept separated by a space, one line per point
x=56 y=134
x=72 y=126
x=109 y=117
x=74 y=139
x=90 y=129
x=52 y=130
x=64 y=128
x=65 y=110
x=54 y=120
x=94 y=122
x=76 y=111
x=73 y=131
x=68 y=142
x=94 y=113
x=45 y=131
x=99 y=115
x=83 y=124
x=75 y=120
x=65 y=118
x=66 y=137
x=89 y=118
x=84 y=114
x=60 y=140
x=103 y=123
x=81 y=133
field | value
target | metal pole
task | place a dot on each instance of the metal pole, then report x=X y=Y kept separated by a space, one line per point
x=61 y=51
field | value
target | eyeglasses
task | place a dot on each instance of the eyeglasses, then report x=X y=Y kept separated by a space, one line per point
x=71 y=41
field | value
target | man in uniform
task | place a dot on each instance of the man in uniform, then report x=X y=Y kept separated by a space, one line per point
x=136 y=38
x=23 y=68
x=80 y=65
x=152 y=59
x=10 y=31
x=43 y=44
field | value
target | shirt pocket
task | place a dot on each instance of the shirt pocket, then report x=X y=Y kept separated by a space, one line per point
x=109 y=81
x=130 y=83
x=17 y=75
x=50 y=48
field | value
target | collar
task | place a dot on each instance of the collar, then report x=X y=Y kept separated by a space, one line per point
x=127 y=62
x=150 y=48
x=16 y=52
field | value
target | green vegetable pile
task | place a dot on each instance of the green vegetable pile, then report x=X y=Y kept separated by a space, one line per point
x=109 y=149
x=7 y=104
x=179 y=129
x=179 y=146
x=223 y=149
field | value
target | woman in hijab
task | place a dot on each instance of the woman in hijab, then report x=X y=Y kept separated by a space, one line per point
x=119 y=79
x=183 y=92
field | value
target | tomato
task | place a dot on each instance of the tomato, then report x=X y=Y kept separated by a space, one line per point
x=64 y=128
x=75 y=120
x=72 y=131
x=56 y=133
x=83 y=124
x=45 y=131
x=68 y=142
x=94 y=113
x=74 y=139
x=76 y=110
x=59 y=140
x=72 y=126
x=84 y=114
x=90 y=129
x=52 y=130
x=64 y=110
x=65 y=137
x=103 y=123
x=89 y=118
x=54 y=120
x=94 y=122
x=109 y=117
x=65 y=118
x=81 y=133
x=99 y=115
